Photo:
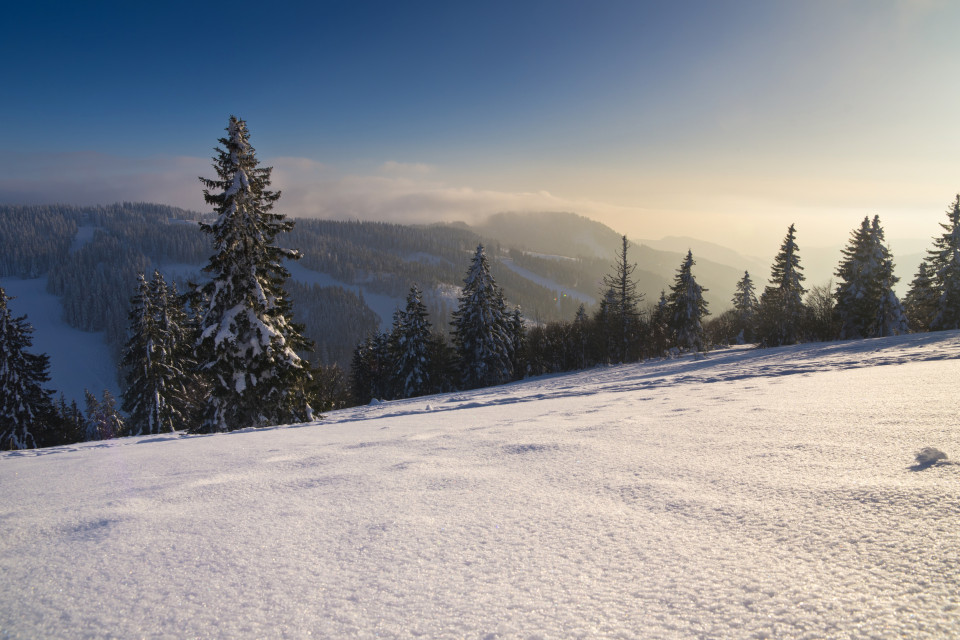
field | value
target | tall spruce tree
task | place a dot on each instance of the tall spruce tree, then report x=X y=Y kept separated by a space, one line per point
x=411 y=339
x=945 y=258
x=623 y=307
x=866 y=303
x=687 y=308
x=745 y=306
x=248 y=342
x=781 y=305
x=26 y=408
x=480 y=328
x=158 y=360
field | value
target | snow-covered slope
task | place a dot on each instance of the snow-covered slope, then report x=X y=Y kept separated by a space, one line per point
x=745 y=494
x=78 y=359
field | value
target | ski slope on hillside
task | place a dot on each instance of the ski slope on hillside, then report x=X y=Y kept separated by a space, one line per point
x=749 y=494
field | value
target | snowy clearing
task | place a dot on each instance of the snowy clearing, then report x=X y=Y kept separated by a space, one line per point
x=380 y=304
x=764 y=494
x=78 y=359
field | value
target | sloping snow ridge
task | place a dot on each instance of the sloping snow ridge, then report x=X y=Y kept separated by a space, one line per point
x=745 y=494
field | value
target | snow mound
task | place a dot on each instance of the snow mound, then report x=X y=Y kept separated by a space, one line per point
x=930 y=455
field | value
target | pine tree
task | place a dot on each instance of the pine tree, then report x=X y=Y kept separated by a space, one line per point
x=781 y=305
x=71 y=426
x=866 y=303
x=372 y=369
x=248 y=342
x=361 y=373
x=104 y=422
x=623 y=306
x=158 y=360
x=921 y=301
x=945 y=258
x=687 y=308
x=26 y=408
x=412 y=346
x=480 y=330
x=606 y=343
x=745 y=306
x=660 y=325
x=579 y=338
x=857 y=291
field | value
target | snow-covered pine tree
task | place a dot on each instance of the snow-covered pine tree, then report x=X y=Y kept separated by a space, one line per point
x=920 y=304
x=104 y=422
x=26 y=408
x=624 y=310
x=247 y=349
x=687 y=308
x=781 y=304
x=945 y=257
x=866 y=303
x=745 y=306
x=411 y=339
x=480 y=330
x=858 y=289
x=158 y=360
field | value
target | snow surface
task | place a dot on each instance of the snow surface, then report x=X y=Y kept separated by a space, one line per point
x=746 y=494
x=78 y=359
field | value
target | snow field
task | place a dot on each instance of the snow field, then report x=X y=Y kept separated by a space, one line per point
x=748 y=494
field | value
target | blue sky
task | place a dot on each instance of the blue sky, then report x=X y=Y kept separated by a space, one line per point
x=724 y=120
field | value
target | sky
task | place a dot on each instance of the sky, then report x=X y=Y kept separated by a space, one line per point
x=724 y=120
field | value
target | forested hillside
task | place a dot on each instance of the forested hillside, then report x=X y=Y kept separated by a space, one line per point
x=548 y=264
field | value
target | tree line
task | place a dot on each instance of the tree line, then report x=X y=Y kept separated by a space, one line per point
x=621 y=329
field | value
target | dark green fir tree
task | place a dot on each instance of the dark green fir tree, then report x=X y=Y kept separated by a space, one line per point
x=248 y=345
x=26 y=408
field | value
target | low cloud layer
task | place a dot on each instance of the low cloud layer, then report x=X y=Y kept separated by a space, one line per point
x=713 y=207
x=397 y=192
